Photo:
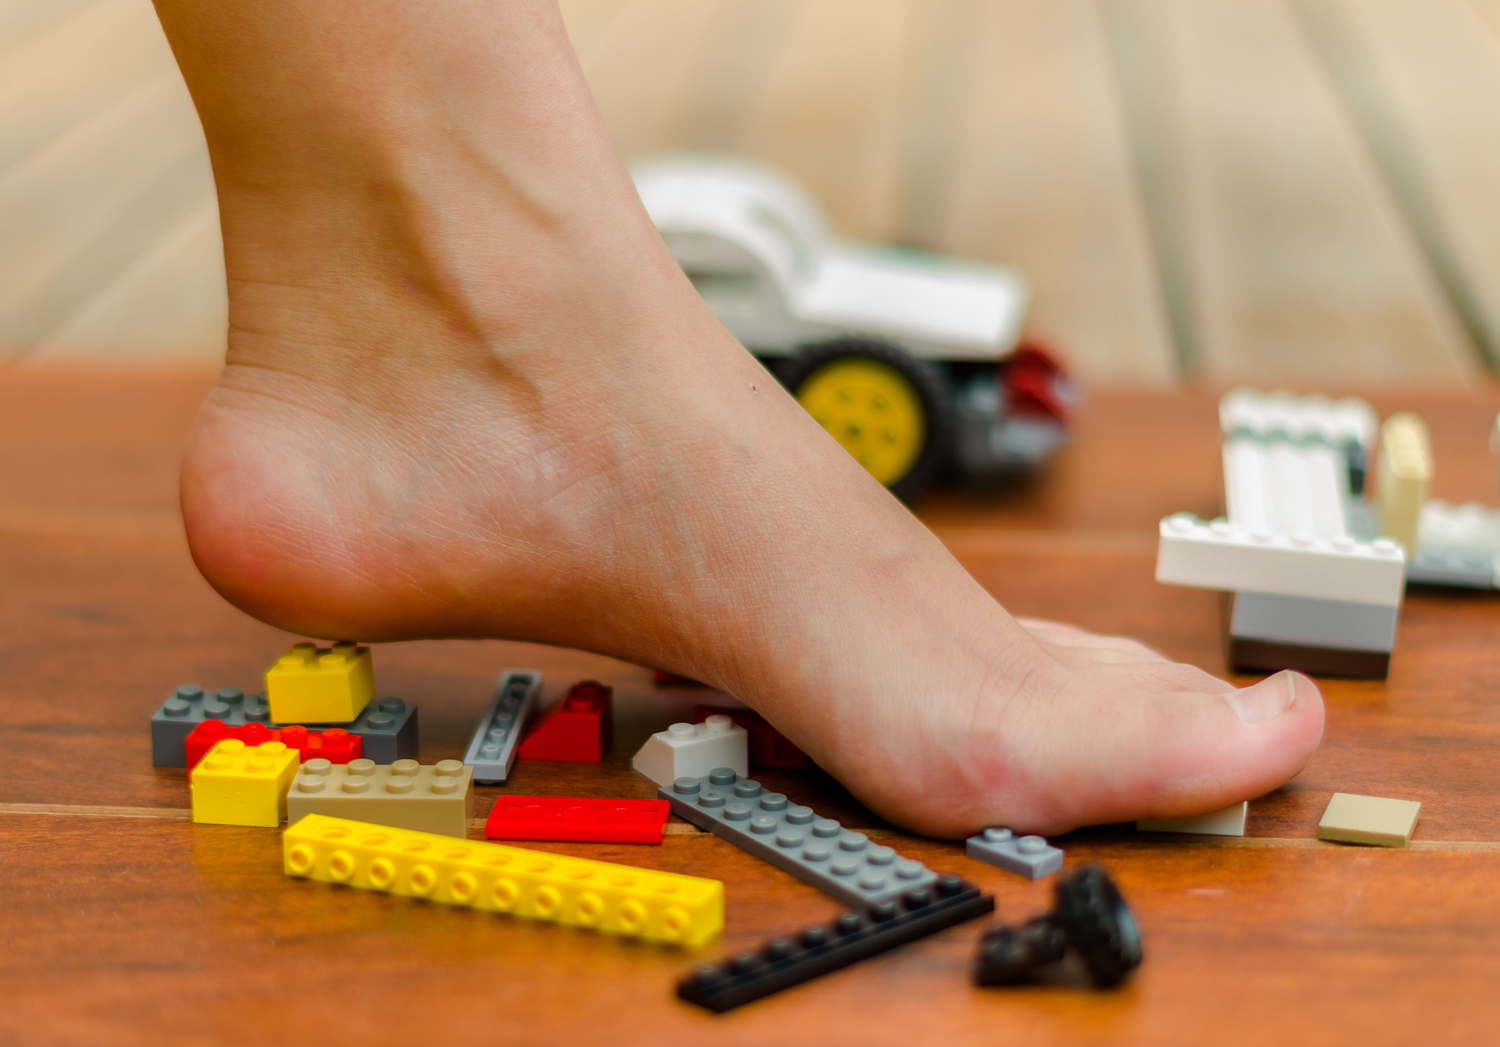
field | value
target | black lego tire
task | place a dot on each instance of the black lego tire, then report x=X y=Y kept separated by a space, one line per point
x=929 y=380
x=1100 y=924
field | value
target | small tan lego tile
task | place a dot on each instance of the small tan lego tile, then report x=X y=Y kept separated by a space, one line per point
x=1369 y=819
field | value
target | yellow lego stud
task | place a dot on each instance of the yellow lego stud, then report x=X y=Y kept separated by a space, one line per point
x=239 y=785
x=580 y=892
x=312 y=684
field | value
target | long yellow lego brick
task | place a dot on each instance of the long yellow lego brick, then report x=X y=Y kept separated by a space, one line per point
x=615 y=899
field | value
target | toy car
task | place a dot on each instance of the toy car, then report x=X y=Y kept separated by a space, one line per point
x=911 y=361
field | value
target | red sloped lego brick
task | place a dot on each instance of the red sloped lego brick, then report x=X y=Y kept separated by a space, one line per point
x=577 y=730
x=335 y=745
x=768 y=746
x=582 y=819
x=211 y=732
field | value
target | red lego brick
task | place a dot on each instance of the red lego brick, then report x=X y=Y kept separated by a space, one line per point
x=768 y=746
x=585 y=819
x=335 y=745
x=577 y=730
x=211 y=732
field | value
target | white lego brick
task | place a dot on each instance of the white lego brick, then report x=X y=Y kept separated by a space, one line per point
x=1228 y=822
x=1471 y=525
x=1349 y=420
x=687 y=750
x=1219 y=555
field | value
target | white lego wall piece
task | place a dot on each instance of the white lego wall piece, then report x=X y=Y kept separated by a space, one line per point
x=1219 y=555
x=1404 y=472
x=1281 y=487
x=1259 y=414
x=1228 y=822
x=687 y=750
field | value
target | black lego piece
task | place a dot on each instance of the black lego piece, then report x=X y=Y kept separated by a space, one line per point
x=1090 y=916
x=781 y=963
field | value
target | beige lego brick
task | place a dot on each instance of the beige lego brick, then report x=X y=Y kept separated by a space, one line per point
x=1369 y=819
x=436 y=798
x=1228 y=822
x=1404 y=472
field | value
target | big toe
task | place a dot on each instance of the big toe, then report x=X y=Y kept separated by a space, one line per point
x=1191 y=752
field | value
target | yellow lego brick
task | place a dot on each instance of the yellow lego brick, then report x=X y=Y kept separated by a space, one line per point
x=615 y=899
x=312 y=684
x=1404 y=472
x=240 y=785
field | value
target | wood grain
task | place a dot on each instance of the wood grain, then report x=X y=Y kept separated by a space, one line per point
x=1040 y=177
x=127 y=924
x=1291 y=259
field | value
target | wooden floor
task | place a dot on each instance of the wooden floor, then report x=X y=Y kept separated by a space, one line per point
x=123 y=923
x=1278 y=191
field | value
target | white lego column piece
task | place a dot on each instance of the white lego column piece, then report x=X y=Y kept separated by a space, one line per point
x=1219 y=555
x=687 y=750
x=1405 y=470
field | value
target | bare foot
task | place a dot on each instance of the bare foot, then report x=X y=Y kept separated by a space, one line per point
x=469 y=393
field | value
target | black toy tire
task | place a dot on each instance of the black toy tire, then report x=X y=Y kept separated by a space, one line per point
x=1100 y=925
x=929 y=380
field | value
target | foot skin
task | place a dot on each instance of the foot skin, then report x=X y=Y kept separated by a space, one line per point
x=469 y=394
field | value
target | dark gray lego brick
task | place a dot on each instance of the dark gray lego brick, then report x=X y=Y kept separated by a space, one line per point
x=1030 y=856
x=387 y=727
x=817 y=850
x=1260 y=656
x=492 y=749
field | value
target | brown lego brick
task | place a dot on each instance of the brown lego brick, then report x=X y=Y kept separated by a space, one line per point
x=1261 y=655
x=436 y=798
x=1369 y=819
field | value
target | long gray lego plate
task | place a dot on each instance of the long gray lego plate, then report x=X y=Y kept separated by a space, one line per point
x=818 y=850
x=492 y=750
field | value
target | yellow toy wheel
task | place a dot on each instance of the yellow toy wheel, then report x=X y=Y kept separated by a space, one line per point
x=872 y=410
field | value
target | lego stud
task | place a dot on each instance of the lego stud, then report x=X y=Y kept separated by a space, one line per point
x=405 y=768
x=1089 y=917
x=310 y=783
x=685 y=786
x=362 y=767
x=681 y=732
x=718 y=723
x=722 y=776
x=300 y=656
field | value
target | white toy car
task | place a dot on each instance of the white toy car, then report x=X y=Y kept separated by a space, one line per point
x=909 y=360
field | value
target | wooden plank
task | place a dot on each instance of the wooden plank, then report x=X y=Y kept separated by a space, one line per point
x=587 y=20
x=169 y=306
x=828 y=111
x=74 y=68
x=80 y=210
x=642 y=67
x=19 y=19
x=1042 y=179
x=1421 y=78
x=1296 y=264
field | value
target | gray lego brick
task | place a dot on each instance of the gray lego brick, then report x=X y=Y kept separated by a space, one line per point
x=1456 y=566
x=818 y=850
x=1309 y=622
x=387 y=727
x=1031 y=856
x=492 y=750
x=189 y=706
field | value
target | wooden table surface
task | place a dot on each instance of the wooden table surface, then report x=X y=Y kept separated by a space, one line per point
x=125 y=923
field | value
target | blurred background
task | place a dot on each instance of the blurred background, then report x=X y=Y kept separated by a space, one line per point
x=1274 y=191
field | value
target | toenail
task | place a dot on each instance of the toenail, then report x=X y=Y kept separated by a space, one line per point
x=1265 y=700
